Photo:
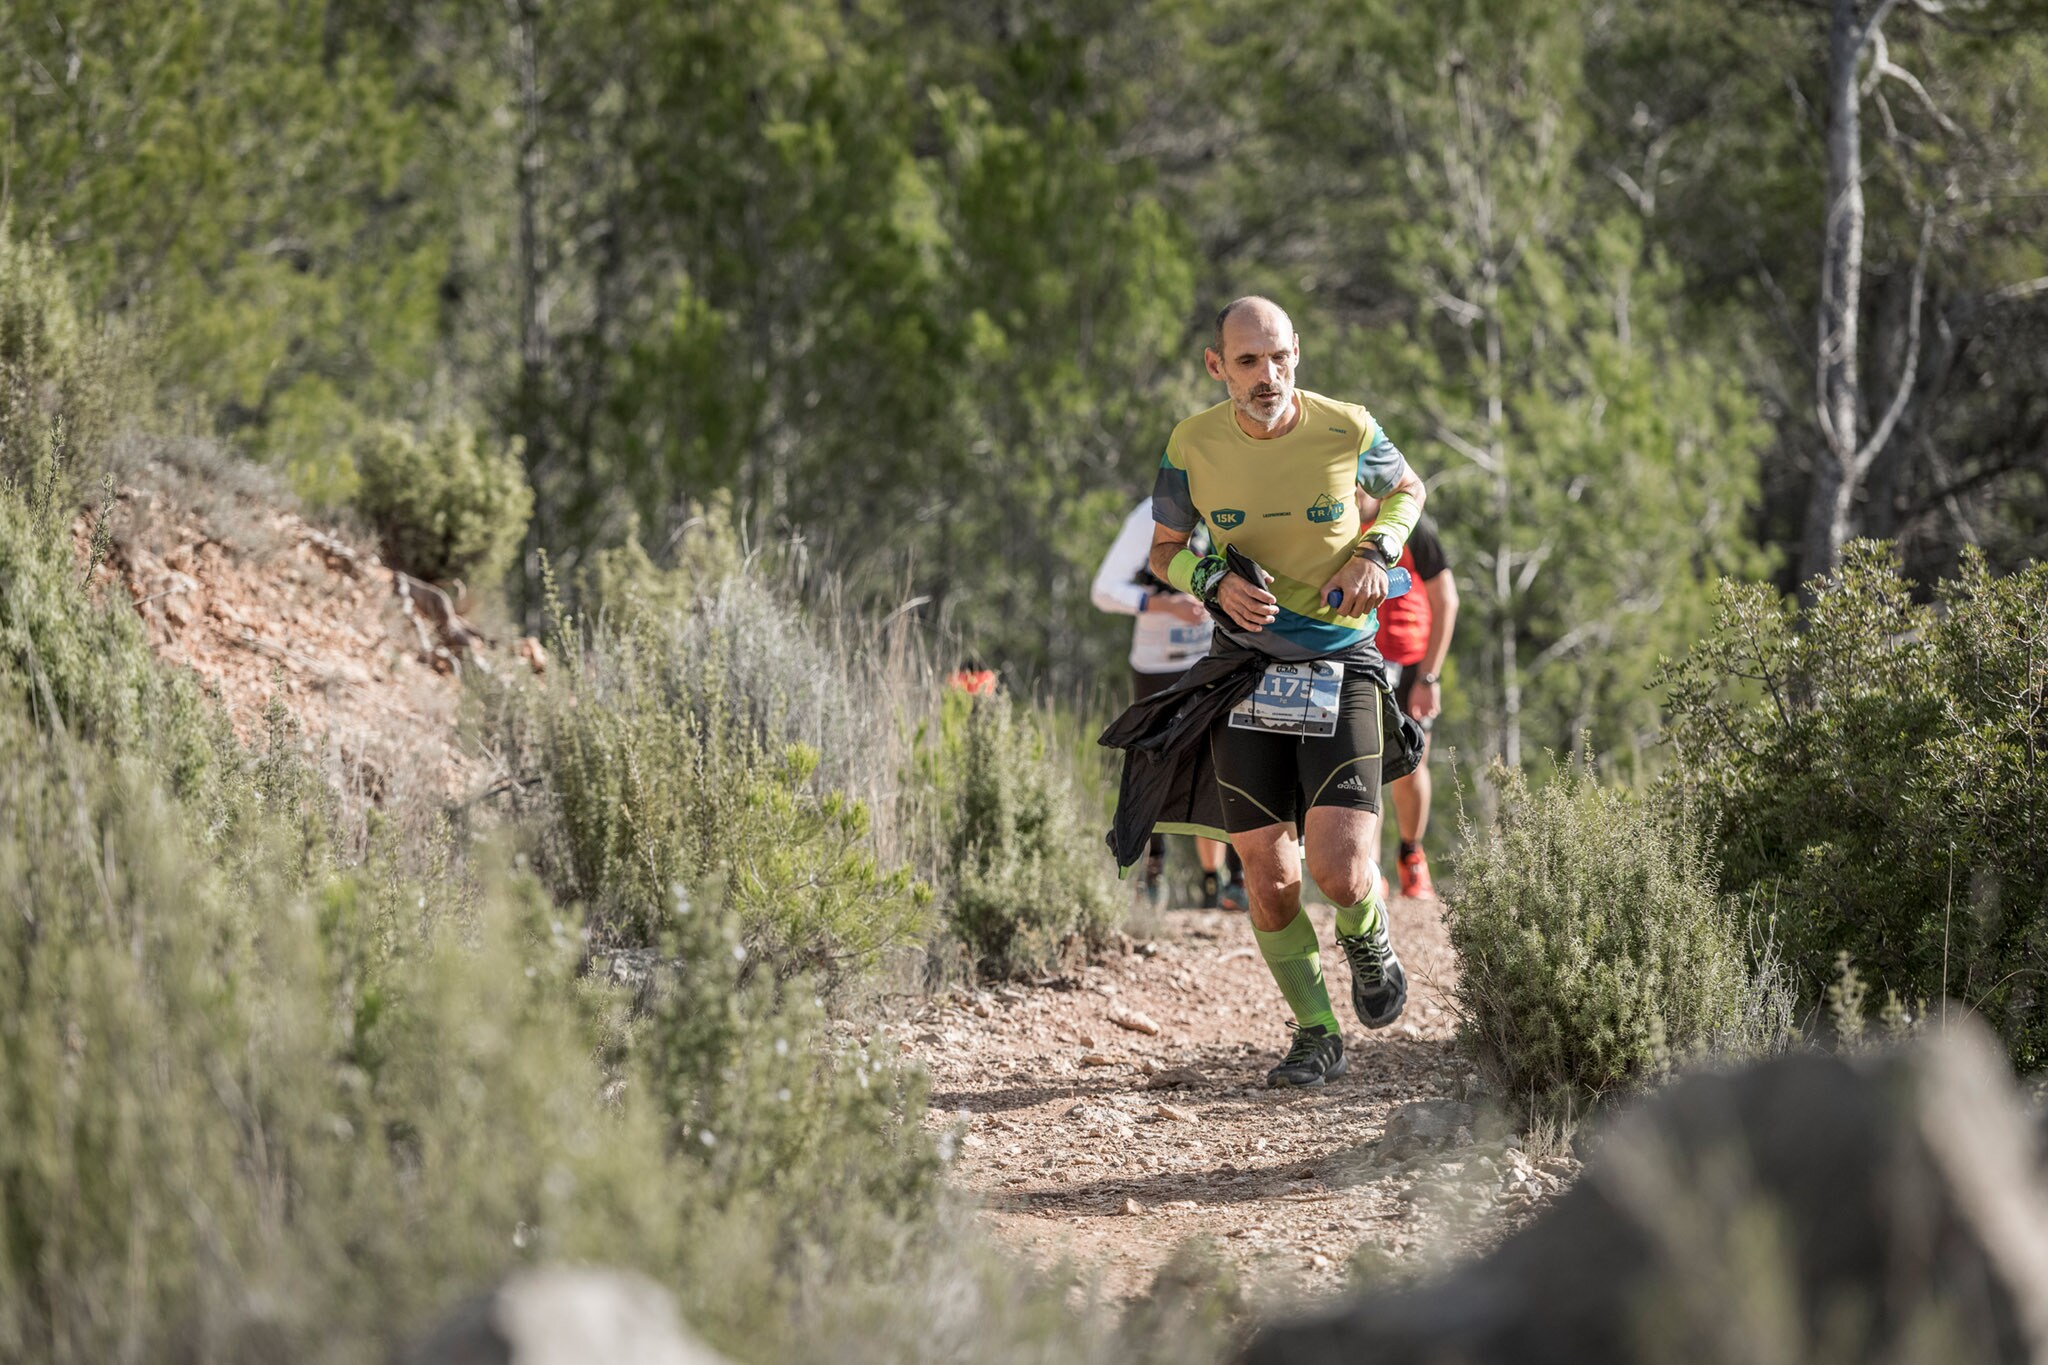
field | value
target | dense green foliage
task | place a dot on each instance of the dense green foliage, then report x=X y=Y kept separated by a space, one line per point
x=925 y=286
x=1595 y=950
x=1873 y=771
x=442 y=504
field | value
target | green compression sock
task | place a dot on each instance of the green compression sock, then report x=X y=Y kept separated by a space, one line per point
x=1294 y=957
x=1366 y=916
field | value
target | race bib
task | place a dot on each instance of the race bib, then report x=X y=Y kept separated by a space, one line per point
x=1293 y=699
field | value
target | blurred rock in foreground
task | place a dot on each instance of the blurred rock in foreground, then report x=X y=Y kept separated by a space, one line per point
x=562 y=1316
x=1883 y=1208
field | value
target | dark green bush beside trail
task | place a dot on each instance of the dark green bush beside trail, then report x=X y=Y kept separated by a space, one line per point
x=1025 y=870
x=1876 y=772
x=445 y=503
x=1595 y=949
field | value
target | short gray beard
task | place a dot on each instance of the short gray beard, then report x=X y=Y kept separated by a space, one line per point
x=1249 y=409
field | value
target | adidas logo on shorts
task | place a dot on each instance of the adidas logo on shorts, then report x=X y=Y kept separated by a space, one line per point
x=1354 y=783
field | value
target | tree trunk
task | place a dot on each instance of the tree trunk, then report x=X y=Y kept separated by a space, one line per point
x=1831 y=501
x=533 y=333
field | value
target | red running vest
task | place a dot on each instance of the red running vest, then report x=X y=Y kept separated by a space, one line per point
x=1404 y=620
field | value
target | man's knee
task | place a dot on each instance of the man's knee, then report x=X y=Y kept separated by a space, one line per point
x=1344 y=880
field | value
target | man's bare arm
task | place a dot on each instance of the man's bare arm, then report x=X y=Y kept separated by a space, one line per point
x=1166 y=543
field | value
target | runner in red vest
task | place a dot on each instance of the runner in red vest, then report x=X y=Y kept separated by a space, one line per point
x=1415 y=639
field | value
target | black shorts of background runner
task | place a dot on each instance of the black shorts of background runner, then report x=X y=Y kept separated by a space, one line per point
x=1404 y=677
x=1269 y=779
x=1145 y=685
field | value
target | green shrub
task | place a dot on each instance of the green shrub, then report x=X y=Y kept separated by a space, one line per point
x=1594 y=948
x=1026 y=869
x=443 y=504
x=670 y=755
x=1872 y=768
x=88 y=668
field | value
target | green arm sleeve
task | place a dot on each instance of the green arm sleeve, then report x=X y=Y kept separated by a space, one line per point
x=1397 y=518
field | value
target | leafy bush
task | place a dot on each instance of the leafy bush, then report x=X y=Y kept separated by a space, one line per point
x=671 y=754
x=87 y=669
x=444 y=505
x=1874 y=770
x=1026 y=870
x=1594 y=947
x=64 y=381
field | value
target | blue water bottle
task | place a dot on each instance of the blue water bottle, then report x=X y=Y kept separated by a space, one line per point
x=1398 y=582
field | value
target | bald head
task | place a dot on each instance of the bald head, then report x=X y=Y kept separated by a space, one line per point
x=1254 y=355
x=1253 y=310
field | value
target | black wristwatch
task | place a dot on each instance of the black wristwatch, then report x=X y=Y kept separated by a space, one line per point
x=1379 y=548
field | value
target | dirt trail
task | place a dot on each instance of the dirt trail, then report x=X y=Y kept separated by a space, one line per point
x=1088 y=1139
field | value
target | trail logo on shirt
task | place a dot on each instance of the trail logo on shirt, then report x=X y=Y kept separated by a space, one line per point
x=1228 y=517
x=1325 y=509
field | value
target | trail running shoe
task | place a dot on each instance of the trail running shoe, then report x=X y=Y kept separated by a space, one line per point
x=1235 y=897
x=1211 y=887
x=1415 y=882
x=1317 y=1055
x=1379 y=988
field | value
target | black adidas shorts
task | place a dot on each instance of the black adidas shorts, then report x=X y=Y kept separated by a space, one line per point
x=1269 y=779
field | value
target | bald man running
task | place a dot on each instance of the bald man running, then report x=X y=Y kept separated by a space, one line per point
x=1275 y=472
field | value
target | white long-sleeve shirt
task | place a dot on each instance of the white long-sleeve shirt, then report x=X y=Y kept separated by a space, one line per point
x=1160 y=643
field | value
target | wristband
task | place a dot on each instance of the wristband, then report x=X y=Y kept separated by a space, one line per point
x=1180 y=571
x=1208 y=575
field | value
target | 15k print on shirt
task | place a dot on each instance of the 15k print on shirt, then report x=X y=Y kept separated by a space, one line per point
x=1290 y=503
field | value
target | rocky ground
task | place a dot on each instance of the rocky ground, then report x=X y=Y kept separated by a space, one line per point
x=258 y=603
x=1111 y=1116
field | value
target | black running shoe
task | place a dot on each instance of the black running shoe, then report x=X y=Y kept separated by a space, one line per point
x=1212 y=887
x=1316 y=1056
x=1379 y=988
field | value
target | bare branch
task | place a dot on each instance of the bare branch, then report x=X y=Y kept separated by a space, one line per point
x=1884 y=66
x=1451 y=438
x=1568 y=642
x=1467 y=313
x=2025 y=289
x=1911 y=368
x=1876 y=21
x=1644 y=200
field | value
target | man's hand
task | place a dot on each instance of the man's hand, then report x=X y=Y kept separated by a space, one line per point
x=1363 y=581
x=1179 y=606
x=1252 y=608
x=1425 y=699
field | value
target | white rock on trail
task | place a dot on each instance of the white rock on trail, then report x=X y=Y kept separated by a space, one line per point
x=1135 y=1020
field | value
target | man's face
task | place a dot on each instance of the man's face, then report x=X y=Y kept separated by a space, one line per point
x=1257 y=363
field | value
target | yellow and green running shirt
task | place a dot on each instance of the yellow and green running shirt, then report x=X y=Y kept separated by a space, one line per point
x=1290 y=503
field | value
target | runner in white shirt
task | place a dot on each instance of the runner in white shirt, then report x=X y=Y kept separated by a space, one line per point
x=1172 y=632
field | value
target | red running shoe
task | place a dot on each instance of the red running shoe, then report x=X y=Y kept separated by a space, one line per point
x=1415 y=882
